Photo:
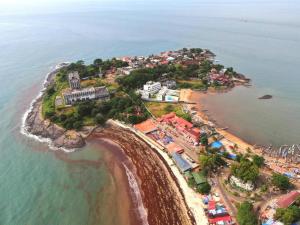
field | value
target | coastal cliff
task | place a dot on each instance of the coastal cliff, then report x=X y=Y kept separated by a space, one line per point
x=35 y=124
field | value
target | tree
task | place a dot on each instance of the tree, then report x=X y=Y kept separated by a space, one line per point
x=99 y=119
x=204 y=188
x=246 y=215
x=258 y=160
x=212 y=161
x=288 y=215
x=245 y=170
x=280 y=181
x=204 y=140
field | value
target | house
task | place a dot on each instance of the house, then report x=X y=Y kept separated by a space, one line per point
x=287 y=199
x=184 y=127
x=125 y=70
x=182 y=164
x=152 y=87
x=146 y=127
x=199 y=178
x=73 y=96
x=216 y=145
x=58 y=101
x=160 y=96
x=170 y=84
x=173 y=147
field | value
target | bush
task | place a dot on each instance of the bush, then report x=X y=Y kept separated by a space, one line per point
x=289 y=215
x=246 y=170
x=280 y=181
x=258 y=160
x=100 y=119
x=245 y=215
x=204 y=188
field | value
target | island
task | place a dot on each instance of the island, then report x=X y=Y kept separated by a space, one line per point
x=194 y=171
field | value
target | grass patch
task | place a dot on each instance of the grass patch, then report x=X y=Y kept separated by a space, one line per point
x=193 y=84
x=158 y=109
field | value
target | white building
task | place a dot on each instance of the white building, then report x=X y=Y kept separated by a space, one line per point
x=152 y=87
x=73 y=96
x=248 y=186
x=74 y=80
x=160 y=96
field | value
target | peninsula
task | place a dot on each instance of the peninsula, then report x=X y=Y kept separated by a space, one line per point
x=145 y=106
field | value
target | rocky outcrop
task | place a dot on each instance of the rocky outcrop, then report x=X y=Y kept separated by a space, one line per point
x=266 y=97
x=36 y=125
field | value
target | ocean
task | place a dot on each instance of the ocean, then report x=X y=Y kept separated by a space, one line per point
x=260 y=39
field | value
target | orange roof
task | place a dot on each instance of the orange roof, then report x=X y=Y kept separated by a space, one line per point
x=173 y=147
x=146 y=126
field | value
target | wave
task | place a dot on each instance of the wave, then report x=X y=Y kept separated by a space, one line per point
x=24 y=127
x=137 y=196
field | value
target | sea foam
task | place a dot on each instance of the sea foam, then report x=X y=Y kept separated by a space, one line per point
x=24 y=127
x=137 y=195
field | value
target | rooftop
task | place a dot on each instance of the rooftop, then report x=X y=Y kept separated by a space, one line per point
x=288 y=199
x=146 y=126
x=181 y=163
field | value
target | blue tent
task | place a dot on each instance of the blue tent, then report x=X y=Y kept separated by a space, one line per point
x=181 y=162
x=216 y=144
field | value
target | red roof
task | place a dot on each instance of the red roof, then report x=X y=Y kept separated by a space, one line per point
x=146 y=126
x=288 y=199
x=173 y=147
x=211 y=205
x=221 y=218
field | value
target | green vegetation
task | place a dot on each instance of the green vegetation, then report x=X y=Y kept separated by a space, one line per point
x=258 y=160
x=158 y=109
x=198 y=181
x=204 y=188
x=210 y=162
x=204 y=140
x=192 y=84
x=245 y=170
x=190 y=76
x=97 y=66
x=246 y=215
x=288 y=215
x=280 y=181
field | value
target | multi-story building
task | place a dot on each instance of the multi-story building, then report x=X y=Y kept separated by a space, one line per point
x=74 y=80
x=152 y=87
x=73 y=96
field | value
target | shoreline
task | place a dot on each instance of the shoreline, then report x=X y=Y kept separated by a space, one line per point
x=35 y=127
x=159 y=186
x=230 y=138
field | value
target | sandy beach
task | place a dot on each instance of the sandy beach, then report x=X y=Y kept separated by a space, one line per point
x=229 y=138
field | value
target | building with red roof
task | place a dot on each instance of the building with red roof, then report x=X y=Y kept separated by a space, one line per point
x=186 y=128
x=288 y=199
x=146 y=126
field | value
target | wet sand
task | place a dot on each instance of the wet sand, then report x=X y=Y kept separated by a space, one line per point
x=161 y=194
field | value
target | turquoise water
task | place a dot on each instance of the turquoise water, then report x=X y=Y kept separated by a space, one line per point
x=258 y=38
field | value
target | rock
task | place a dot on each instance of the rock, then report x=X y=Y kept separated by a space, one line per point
x=37 y=125
x=266 y=97
x=70 y=140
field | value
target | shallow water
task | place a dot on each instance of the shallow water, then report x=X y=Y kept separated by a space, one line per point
x=258 y=38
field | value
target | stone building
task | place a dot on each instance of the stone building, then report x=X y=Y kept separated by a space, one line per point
x=73 y=96
x=74 y=80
